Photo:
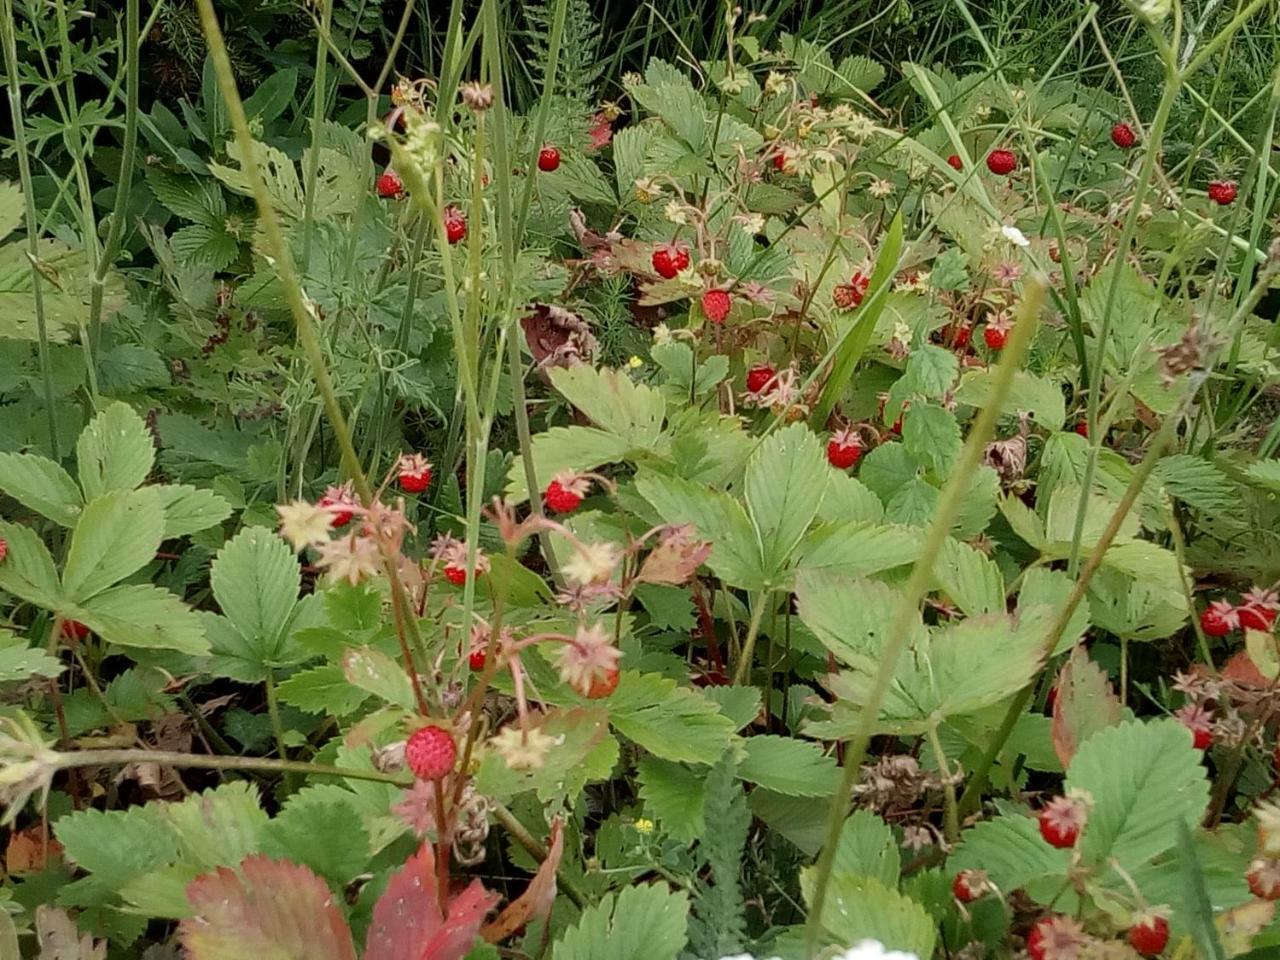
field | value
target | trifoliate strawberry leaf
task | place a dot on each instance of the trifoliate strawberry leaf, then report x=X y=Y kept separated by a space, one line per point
x=795 y=768
x=190 y=509
x=118 y=845
x=324 y=690
x=888 y=468
x=785 y=481
x=862 y=908
x=717 y=517
x=858 y=549
x=218 y=827
x=117 y=534
x=1135 y=608
x=115 y=451
x=673 y=796
x=140 y=615
x=970 y=578
x=266 y=908
x=319 y=832
x=1143 y=779
x=1014 y=855
x=41 y=485
x=868 y=848
x=643 y=922
x=850 y=617
x=255 y=579
x=28 y=571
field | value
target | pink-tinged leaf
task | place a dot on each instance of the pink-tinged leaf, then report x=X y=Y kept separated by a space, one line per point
x=1241 y=669
x=1085 y=704
x=266 y=910
x=407 y=924
x=538 y=896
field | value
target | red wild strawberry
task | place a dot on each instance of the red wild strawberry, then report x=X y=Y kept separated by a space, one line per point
x=1149 y=935
x=1122 y=136
x=1055 y=938
x=74 y=630
x=1219 y=619
x=389 y=185
x=954 y=162
x=844 y=449
x=1264 y=878
x=759 y=377
x=565 y=492
x=602 y=687
x=716 y=305
x=779 y=160
x=850 y=295
x=548 y=159
x=415 y=473
x=669 y=259
x=455 y=574
x=477 y=659
x=1001 y=162
x=1222 y=192
x=4 y=549
x=1061 y=821
x=995 y=336
x=1253 y=616
x=1200 y=722
x=969 y=885
x=1082 y=428
x=431 y=752
x=455 y=224
x=960 y=334
x=340 y=502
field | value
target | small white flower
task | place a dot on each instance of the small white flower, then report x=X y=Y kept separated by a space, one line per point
x=1015 y=236
x=874 y=950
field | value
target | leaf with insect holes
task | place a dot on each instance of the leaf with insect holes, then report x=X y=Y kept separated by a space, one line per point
x=1085 y=703
x=785 y=481
x=277 y=171
x=535 y=903
x=117 y=534
x=267 y=908
x=41 y=485
x=28 y=571
x=65 y=285
x=407 y=921
x=114 y=452
x=640 y=922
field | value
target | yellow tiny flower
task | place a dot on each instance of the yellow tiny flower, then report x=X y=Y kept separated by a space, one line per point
x=635 y=362
x=644 y=826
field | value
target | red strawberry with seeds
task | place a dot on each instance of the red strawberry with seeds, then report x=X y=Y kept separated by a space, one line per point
x=759 y=377
x=602 y=687
x=431 y=753
x=414 y=473
x=1219 y=619
x=477 y=659
x=548 y=159
x=74 y=630
x=969 y=885
x=1061 y=821
x=1150 y=935
x=955 y=162
x=389 y=185
x=455 y=224
x=716 y=305
x=1122 y=136
x=1222 y=192
x=1255 y=617
x=669 y=259
x=565 y=492
x=455 y=574
x=995 y=336
x=844 y=449
x=1001 y=162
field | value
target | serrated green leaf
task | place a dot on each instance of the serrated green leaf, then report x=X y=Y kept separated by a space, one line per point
x=1014 y=855
x=848 y=500
x=118 y=533
x=644 y=922
x=970 y=578
x=719 y=923
x=324 y=690
x=256 y=579
x=129 y=367
x=614 y=402
x=740 y=704
x=859 y=73
x=115 y=452
x=796 y=768
x=858 y=549
x=1144 y=779
x=914 y=504
x=1023 y=521
x=1265 y=473
x=979 y=504
x=868 y=848
x=862 y=908
x=374 y=671
x=1040 y=398
x=932 y=436
x=21 y=662
x=28 y=571
x=566 y=448
x=931 y=370
x=887 y=469
x=1051 y=589
x=190 y=509
x=276 y=169
x=11 y=207
x=850 y=616
x=1084 y=704
x=1060 y=522
x=140 y=615
x=117 y=845
x=65 y=287
x=218 y=827
x=680 y=107
x=41 y=485
x=292 y=835
x=784 y=486
x=671 y=722
x=673 y=796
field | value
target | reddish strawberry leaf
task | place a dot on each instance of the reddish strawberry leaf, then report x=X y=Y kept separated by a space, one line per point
x=407 y=924
x=538 y=896
x=1085 y=704
x=267 y=909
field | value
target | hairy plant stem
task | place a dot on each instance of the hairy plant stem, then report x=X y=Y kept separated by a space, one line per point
x=952 y=817
x=743 y=669
x=319 y=98
x=7 y=30
x=172 y=758
x=918 y=584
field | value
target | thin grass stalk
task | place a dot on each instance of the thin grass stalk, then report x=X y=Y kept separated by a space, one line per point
x=917 y=586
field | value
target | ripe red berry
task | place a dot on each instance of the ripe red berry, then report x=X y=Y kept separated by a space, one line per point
x=969 y=885
x=844 y=450
x=1222 y=192
x=455 y=224
x=1122 y=136
x=560 y=498
x=850 y=295
x=431 y=753
x=548 y=159
x=1150 y=935
x=74 y=630
x=4 y=549
x=1255 y=617
x=389 y=185
x=716 y=305
x=779 y=160
x=455 y=574
x=602 y=687
x=415 y=482
x=669 y=259
x=955 y=162
x=335 y=505
x=759 y=377
x=1264 y=878
x=994 y=336
x=1061 y=821
x=1001 y=162
x=1219 y=618
x=477 y=659
x=1082 y=428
